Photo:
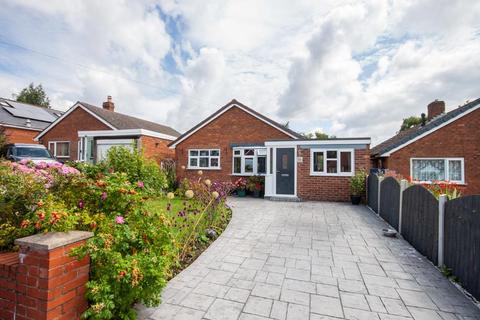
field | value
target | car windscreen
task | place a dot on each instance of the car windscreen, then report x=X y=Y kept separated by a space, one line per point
x=28 y=152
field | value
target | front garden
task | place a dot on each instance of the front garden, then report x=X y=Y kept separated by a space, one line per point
x=143 y=233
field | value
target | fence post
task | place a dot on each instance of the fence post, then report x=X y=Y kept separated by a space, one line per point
x=380 y=178
x=441 y=227
x=403 y=186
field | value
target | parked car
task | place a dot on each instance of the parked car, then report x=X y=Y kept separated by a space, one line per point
x=23 y=151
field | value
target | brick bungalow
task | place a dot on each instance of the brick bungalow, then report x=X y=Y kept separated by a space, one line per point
x=22 y=122
x=236 y=141
x=446 y=146
x=86 y=132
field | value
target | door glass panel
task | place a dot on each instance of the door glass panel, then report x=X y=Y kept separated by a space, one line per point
x=331 y=166
x=285 y=161
x=345 y=161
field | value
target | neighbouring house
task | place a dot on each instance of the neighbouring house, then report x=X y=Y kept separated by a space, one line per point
x=236 y=141
x=22 y=122
x=86 y=133
x=445 y=147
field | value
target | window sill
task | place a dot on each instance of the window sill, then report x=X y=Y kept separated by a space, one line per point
x=450 y=182
x=314 y=174
x=209 y=169
x=248 y=174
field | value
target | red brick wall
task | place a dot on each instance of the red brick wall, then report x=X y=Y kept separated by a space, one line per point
x=156 y=148
x=233 y=126
x=460 y=138
x=67 y=129
x=326 y=188
x=15 y=135
x=43 y=285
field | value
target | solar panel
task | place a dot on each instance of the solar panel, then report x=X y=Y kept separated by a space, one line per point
x=30 y=112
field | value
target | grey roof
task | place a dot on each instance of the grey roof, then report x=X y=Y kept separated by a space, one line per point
x=122 y=121
x=13 y=113
x=407 y=135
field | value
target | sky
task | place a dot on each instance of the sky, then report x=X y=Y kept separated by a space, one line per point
x=346 y=68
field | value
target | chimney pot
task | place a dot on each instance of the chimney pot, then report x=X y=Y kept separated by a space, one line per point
x=435 y=109
x=109 y=105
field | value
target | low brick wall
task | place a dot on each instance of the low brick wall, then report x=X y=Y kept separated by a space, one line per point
x=42 y=281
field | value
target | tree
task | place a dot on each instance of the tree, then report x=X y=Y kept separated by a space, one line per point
x=34 y=95
x=317 y=135
x=3 y=138
x=410 y=122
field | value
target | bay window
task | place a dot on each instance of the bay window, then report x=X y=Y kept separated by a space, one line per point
x=437 y=169
x=204 y=159
x=331 y=162
x=249 y=161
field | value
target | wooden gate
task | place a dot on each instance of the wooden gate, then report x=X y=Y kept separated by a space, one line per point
x=420 y=221
x=390 y=201
x=462 y=241
x=372 y=192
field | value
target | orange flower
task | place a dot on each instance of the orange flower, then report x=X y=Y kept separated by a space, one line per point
x=24 y=224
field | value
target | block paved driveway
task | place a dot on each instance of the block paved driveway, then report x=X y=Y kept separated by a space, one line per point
x=309 y=260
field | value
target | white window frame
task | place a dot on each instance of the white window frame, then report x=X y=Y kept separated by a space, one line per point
x=338 y=173
x=255 y=161
x=54 y=143
x=446 y=166
x=209 y=158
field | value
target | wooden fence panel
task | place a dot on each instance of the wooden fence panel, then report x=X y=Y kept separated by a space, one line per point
x=462 y=241
x=420 y=221
x=390 y=201
x=372 y=192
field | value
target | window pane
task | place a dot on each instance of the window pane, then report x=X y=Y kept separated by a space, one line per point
x=248 y=164
x=237 y=165
x=194 y=153
x=271 y=160
x=193 y=162
x=214 y=162
x=262 y=164
x=249 y=152
x=455 y=170
x=261 y=152
x=345 y=161
x=63 y=149
x=204 y=162
x=428 y=170
x=318 y=161
x=331 y=154
x=236 y=152
x=331 y=166
x=204 y=153
x=214 y=153
x=51 y=148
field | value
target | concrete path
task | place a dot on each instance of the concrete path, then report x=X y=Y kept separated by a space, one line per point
x=309 y=260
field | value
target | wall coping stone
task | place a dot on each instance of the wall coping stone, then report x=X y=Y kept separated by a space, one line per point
x=52 y=240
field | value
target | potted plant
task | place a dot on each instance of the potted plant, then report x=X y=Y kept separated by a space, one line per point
x=255 y=185
x=357 y=186
x=240 y=185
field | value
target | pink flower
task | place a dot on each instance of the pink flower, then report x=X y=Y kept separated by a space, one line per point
x=119 y=220
x=104 y=196
x=140 y=184
x=81 y=204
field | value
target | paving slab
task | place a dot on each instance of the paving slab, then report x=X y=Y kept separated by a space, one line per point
x=309 y=260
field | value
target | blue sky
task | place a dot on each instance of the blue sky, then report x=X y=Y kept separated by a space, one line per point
x=348 y=68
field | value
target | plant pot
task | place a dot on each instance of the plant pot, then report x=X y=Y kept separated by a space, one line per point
x=355 y=199
x=256 y=193
x=241 y=192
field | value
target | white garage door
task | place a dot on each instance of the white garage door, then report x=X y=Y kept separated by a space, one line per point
x=104 y=145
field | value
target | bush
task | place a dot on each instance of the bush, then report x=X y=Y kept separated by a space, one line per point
x=357 y=182
x=138 y=168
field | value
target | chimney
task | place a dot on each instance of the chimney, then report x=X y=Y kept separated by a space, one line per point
x=109 y=105
x=435 y=109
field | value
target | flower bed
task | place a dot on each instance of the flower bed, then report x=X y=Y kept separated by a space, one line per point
x=141 y=239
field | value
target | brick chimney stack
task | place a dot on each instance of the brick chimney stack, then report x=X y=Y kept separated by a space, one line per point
x=109 y=105
x=435 y=109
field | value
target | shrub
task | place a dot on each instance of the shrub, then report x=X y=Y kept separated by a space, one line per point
x=138 y=168
x=357 y=182
x=447 y=188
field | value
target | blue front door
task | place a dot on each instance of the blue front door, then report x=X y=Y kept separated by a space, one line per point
x=285 y=175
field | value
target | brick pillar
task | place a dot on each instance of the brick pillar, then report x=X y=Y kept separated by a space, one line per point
x=49 y=283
